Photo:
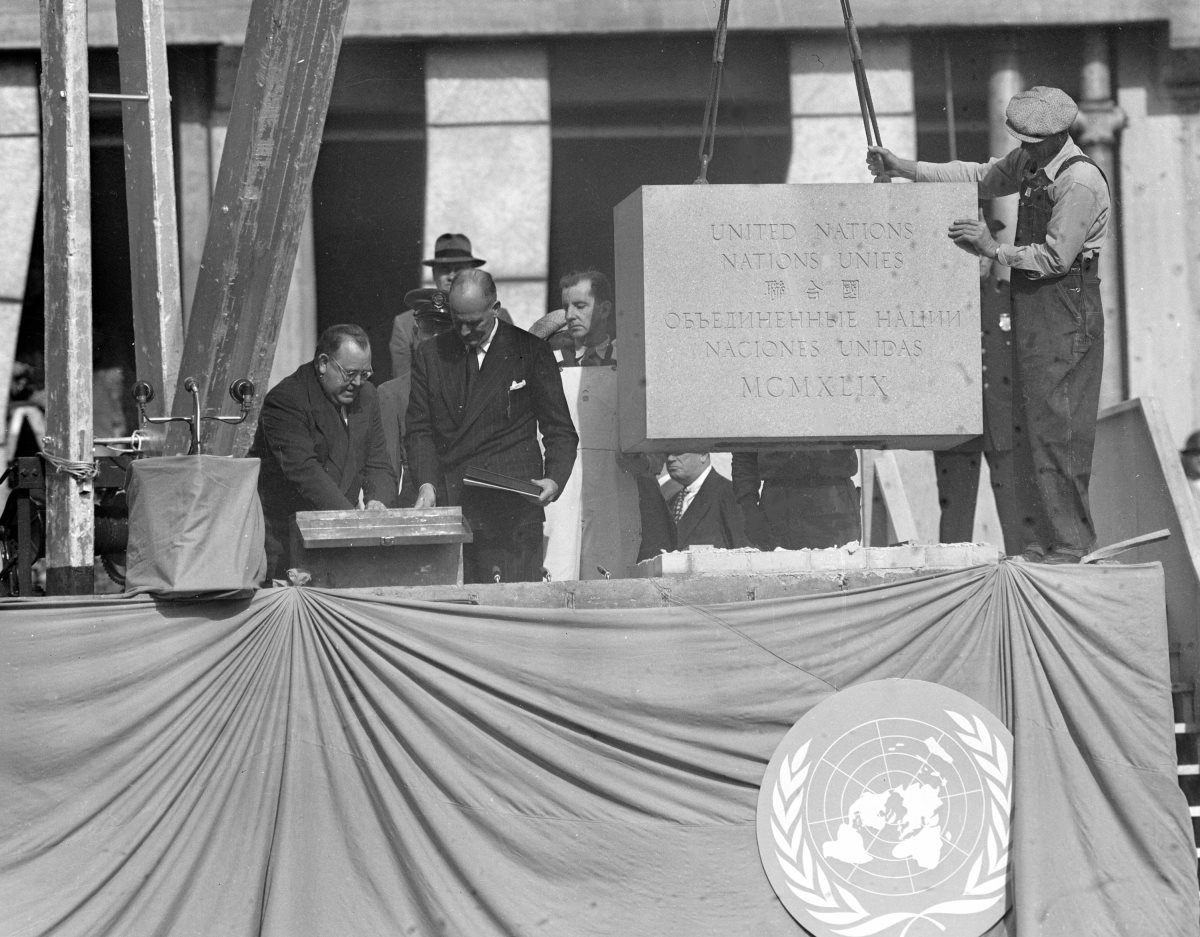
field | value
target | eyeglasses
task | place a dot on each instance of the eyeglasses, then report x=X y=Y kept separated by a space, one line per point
x=353 y=377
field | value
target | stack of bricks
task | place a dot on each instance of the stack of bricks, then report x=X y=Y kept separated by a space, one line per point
x=851 y=558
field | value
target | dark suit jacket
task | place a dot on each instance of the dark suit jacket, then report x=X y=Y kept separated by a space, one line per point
x=393 y=405
x=517 y=392
x=311 y=461
x=713 y=518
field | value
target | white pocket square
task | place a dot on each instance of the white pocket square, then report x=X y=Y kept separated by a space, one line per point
x=515 y=385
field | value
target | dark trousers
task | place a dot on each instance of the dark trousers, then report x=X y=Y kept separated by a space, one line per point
x=507 y=531
x=807 y=516
x=958 y=488
x=1058 y=354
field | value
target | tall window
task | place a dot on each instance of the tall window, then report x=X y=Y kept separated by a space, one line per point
x=627 y=112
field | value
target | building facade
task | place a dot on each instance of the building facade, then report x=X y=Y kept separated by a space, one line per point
x=523 y=122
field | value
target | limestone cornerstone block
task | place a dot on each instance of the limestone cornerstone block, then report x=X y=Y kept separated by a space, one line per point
x=760 y=315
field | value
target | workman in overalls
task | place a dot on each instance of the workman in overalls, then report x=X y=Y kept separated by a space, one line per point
x=1058 y=323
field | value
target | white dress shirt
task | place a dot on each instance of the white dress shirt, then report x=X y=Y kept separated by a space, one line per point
x=482 y=348
x=689 y=491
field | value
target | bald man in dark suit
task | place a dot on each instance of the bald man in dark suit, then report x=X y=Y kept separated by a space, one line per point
x=480 y=395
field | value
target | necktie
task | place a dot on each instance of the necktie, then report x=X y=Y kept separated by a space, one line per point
x=677 y=505
x=472 y=367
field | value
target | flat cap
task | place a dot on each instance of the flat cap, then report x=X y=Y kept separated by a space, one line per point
x=1038 y=113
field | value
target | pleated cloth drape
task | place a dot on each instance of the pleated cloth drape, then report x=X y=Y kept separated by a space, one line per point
x=319 y=763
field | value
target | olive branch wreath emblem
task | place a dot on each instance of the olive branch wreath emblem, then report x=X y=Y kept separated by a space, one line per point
x=839 y=908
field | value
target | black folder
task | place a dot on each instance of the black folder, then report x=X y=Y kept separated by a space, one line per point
x=482 y=478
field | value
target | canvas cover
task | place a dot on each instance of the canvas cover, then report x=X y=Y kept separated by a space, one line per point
x=314 y=763
x=195 y=526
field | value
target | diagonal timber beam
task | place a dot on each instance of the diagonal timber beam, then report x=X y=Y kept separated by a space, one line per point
x=262 y=195
x=150 y=196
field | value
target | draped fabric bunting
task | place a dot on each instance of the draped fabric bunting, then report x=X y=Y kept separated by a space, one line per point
x=319 y=763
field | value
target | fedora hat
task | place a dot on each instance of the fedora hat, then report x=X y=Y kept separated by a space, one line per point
x=453 y=249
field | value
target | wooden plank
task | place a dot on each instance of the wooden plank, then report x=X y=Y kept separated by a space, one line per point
x=150 y=197
x=866 y=495
x=891 y=486
x=197 y=21
x=1159 y=253
x=262 y=195
x=66 y=176
x=1138 y=486
x=20 y=168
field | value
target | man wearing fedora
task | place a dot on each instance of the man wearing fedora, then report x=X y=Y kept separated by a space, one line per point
x=426 y=315
x=1058 y=322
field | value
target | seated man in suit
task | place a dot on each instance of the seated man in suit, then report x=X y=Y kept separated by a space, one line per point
x=702 y=512
x=480 y=395
x=320 y=440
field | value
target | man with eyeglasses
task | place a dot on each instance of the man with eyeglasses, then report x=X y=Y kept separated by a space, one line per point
x=320 y=440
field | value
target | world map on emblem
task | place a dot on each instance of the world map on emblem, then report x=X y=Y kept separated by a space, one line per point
x=885 y=811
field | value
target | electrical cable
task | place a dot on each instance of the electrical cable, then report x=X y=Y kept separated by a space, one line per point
x=82 y=471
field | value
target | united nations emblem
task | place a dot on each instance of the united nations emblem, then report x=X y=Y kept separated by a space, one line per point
x=885 y=811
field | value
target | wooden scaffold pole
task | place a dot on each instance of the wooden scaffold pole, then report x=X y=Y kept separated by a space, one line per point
x=66 y=181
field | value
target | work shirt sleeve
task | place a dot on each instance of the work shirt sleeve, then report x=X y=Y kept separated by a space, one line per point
x=997 y=177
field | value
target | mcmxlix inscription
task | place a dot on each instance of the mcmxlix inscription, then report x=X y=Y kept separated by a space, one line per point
x=759 y=315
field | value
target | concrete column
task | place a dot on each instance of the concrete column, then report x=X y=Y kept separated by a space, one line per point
x=298 y=330
x=829 y=143
x=1100 y=121
x=192 y=101
x=1004 y=81
x=488 y=167
x=1159 y=163
x=20 y=168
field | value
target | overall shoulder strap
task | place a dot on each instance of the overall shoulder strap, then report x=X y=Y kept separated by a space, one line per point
x=1082 y=158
